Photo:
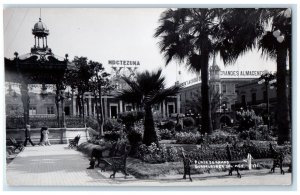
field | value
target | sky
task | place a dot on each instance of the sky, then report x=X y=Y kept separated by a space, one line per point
x=103 y=34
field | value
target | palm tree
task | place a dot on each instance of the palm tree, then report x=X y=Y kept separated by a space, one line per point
x=245 y=33
x=190 y=35
x=147 y=90
x=279 y=47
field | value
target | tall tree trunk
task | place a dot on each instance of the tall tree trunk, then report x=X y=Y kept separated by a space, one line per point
x=282 y=98
x=149 y=129
x=101 y=115
x=26 y=101
x=57 y=107
x=82 y=103
x=78 y=99
x=205 y=112
x=97 y=112
x=63 y=115
x=290 y=84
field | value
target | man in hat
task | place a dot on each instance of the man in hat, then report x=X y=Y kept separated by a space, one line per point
x=27 y=136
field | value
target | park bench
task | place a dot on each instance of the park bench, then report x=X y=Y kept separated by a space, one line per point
x=74 y=142
x=231 y=158
x=116 y=158
x=16 y=145
x=225 y=159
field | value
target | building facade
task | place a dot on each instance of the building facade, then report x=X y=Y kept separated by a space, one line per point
x=226 y=88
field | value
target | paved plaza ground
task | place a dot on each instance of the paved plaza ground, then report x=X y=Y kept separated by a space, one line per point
x=57 y=165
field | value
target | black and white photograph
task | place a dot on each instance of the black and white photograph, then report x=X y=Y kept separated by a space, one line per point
x=148 y=96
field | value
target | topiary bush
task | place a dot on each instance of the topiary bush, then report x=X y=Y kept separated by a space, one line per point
x=178 y=127
x=112 y=125
x=169 y=125
x=135 y=139
x=248 y=119
x=188 y=122
x=165 y=134
x=130 y=118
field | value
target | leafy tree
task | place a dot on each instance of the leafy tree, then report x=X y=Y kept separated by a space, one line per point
x=147 y=90
x=99 y=84
x=78 y=77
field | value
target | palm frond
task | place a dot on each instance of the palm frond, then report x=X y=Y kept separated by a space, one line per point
x=130 y=95
x=158 y=96
x=268 y=45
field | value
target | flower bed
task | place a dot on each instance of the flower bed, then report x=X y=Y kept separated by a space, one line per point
x=157 y=154
x=188 y=138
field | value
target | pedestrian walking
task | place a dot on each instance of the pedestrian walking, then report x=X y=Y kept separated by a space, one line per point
x=27 y=136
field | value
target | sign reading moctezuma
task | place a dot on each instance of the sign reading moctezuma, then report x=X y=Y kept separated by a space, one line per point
x=124 y=62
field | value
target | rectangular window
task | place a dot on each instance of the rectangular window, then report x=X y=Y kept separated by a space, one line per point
x=243 y=100
x=223 y=88
x=217 y=88
x=253 y=98
x=50 y=110
x=156 y=107
x=32 y=110
x=128 y=108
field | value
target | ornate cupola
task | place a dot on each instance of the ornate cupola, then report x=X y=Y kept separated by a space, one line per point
x=40 y=32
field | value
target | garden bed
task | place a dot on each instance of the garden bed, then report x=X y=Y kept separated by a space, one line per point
x=144 y=170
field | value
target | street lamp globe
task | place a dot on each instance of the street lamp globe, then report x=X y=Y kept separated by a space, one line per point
x=276 y=33
x=280 y=39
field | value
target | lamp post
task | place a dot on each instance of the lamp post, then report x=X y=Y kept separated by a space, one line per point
x=224 y=107
x=267 y=79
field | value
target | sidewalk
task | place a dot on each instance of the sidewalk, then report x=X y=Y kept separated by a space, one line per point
x=57 y=165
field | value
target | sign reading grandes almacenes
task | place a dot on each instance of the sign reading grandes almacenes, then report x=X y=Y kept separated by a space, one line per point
x=124 y=62
x=243 y=73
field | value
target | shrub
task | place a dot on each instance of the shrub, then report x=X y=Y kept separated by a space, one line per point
x=253 y=134
x=165 y=134
x=188 y=138
x=169 y=125
x=188 y=122
x=157 y=154
x=130 y=118
x=178 y=127
x=248 y=119
x=135 y=139
x=191 y=129
x=112 y=135
x=112 y=125
x=222 y=137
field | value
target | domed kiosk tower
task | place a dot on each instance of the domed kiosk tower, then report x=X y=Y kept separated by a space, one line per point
x=40 y=66
x=40 y=32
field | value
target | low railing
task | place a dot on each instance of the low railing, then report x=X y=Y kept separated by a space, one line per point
x=56 y=135
x=50 y=122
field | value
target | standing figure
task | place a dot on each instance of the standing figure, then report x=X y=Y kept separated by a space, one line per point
x=27 y=136
x=42 y=135
x=45 y=137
